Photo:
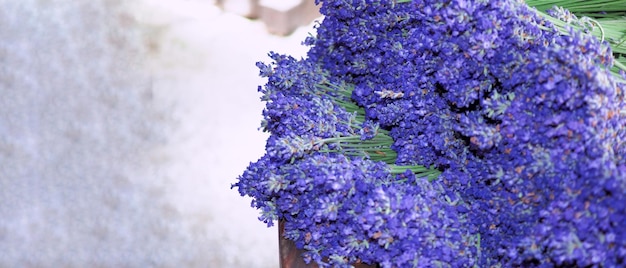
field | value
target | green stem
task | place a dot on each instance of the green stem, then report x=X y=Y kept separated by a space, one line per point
x=419 y=171
x=378 y=148
x=609 y=27
x=578 y=6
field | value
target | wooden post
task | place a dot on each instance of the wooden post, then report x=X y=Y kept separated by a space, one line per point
x=245 y=8
x=282 y=17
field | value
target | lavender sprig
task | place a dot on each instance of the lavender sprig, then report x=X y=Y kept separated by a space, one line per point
x=524 y=121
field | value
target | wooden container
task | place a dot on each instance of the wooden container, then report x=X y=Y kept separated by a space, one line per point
x=291 y=257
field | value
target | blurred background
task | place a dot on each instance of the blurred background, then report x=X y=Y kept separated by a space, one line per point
x=123 y=125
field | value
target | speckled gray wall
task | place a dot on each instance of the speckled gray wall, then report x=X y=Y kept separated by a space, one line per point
x=122 y=126
x=75 y=118
x=80 y=182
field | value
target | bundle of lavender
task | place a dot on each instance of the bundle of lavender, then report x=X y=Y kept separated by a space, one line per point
x=450 y=134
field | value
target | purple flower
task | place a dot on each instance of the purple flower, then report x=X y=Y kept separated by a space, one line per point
x=525 y=123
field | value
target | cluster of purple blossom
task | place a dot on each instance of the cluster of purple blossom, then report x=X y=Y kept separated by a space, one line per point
x=527 y=126
x=344 y=210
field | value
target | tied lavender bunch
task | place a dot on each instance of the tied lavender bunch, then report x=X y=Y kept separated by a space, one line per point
x=449 y=134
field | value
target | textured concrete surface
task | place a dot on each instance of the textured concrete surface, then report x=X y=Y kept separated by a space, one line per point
x=122 y=126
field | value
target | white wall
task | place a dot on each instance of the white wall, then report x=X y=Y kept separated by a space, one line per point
x=122 y=126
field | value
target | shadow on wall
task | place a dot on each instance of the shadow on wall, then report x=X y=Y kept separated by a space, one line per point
x=281 y=17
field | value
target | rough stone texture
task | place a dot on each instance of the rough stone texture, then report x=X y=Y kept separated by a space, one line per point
x=122 y=126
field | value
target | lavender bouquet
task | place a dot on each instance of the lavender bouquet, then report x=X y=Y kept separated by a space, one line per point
x=450 y=134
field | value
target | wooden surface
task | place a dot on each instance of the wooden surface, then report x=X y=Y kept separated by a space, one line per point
x=291 y=257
